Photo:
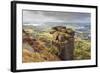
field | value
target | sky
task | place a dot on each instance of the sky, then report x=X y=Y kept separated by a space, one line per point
x=42 y=17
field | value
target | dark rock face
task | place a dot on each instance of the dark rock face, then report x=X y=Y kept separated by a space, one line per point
x=64 y=41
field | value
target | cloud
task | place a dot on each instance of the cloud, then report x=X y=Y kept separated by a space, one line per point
x=41 y=17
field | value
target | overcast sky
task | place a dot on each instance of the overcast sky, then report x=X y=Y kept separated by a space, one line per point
x=42 y=17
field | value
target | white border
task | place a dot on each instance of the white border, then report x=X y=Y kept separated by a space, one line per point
x=21 y=65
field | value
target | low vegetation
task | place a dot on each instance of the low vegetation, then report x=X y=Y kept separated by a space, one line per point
x=38 y=46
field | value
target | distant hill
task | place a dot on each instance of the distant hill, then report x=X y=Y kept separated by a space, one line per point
x=80 y=28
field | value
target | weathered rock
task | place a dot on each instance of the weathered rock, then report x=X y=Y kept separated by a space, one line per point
x=64 y=41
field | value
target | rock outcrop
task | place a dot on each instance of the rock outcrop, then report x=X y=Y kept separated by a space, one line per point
x=35 y=50
x=60 y=47
x=64 y=41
